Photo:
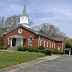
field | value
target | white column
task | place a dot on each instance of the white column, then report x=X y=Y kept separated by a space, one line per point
x=21 y=42
x=69 y=52
x=11 y=42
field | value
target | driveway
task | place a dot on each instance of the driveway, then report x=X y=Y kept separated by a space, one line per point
x=62 y=64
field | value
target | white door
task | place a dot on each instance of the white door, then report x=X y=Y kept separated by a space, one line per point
x=18 y=42
x=59 y=48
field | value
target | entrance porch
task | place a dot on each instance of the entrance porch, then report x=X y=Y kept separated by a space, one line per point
x=16 y=40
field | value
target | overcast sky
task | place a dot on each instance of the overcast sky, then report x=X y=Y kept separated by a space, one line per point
x=57 y=12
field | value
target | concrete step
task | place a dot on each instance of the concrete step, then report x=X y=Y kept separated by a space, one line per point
x=12 y=49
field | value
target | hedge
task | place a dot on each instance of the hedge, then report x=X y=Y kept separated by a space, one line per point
x=48 y=52
x=1 y=47
x=43 y=50
x=57 y=52
x=30 y=49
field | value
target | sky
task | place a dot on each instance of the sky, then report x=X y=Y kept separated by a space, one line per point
x=56 y=12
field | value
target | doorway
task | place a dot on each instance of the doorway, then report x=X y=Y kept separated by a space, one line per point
x=14 y=42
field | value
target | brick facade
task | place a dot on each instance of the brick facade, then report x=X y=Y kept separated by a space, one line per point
x=36 y=39
x=26 y=34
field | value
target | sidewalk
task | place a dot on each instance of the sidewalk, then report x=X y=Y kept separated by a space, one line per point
x=27 y=64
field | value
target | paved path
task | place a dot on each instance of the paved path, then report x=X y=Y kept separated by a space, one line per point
x=62 y=64
x=27 y=64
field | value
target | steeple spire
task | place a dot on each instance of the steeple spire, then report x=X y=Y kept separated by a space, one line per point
x=24 y=10
x=24 y=17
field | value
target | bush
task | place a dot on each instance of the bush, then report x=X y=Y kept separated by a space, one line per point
x=41 y=47
x=1 y=47
x=48 y=52
x=43 y=50
x=57 y=52
x=31 y=49
x=20 y=49
x=36 y=50
x=6 y=48
x=25 y=48
x=62 y=53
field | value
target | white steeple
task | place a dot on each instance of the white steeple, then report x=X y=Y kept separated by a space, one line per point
x=24 y=18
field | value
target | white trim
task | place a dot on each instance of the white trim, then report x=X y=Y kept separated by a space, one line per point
x=40 y=42
x=28 y=42
x=19 y=31
x=44 y=43
x=47 y=43
x=59 y=48
x=11 y=42
x=52 y=44
x=21 y=42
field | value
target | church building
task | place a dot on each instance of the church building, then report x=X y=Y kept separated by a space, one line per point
x=23 y=35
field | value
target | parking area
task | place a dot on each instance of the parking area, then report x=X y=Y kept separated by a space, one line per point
x=62 y=64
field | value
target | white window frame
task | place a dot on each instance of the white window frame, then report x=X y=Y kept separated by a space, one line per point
x=44 y=43
x=29 y=42
x=40 y=42
x=52 y=44
x=47 y=43
x=19 y=31
x=9 y=40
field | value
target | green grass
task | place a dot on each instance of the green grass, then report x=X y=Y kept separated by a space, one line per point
x=13 y=58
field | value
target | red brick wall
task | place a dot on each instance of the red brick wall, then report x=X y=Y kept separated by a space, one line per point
x=56 y=44
x=59 y=44
x=25 y=33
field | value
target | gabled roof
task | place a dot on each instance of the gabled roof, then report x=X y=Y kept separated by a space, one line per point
x=35 y=32
x=58 y=39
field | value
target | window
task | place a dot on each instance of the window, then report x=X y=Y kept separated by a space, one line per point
x=44 y=43
x=9 y=40
x=59 y=48
x=52 y=45
x=47 y=43
x=40 y=42
x=20 y=31
x=30 y=41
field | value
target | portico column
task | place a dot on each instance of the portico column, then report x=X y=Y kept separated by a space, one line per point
x=69 y=52
x=22 y=42
x=11 y=42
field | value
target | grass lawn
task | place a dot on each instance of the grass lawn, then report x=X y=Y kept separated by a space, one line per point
x=12 y=58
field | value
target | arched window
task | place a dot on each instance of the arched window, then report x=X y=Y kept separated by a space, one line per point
x=47 y=43
x=44 y=43
x=50 y=44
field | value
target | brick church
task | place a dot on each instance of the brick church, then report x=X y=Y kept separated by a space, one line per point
x=23 y=35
